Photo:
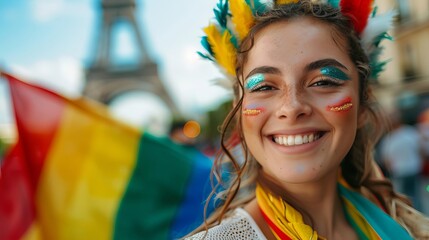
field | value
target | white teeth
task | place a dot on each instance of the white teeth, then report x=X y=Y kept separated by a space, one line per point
x=305 y=139
x=298 y=140
x=292 y=140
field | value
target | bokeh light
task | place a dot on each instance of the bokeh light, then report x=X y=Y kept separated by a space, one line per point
x=191 y=129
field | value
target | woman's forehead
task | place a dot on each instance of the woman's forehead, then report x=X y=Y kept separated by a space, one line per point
x=296 y=42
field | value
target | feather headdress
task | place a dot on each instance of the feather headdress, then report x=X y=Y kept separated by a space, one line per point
x=235 y=18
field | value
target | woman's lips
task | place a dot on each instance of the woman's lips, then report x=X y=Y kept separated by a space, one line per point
x=297 y=139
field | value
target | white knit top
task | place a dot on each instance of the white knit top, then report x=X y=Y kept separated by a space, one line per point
x=239 y=226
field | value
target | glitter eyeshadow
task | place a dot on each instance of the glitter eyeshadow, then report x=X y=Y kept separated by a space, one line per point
x=335 y=73
x=254 y=80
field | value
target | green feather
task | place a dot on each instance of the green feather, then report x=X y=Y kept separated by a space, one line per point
x=233 y=39
x=374 y=11
x=334 y=3
x=381 y=37
x=205 y=56
x=257 y=6
x=376 y=69
x=206 y=45
x=376 y=65
x=221 y=13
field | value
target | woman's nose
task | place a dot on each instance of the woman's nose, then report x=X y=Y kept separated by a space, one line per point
x=293 y=106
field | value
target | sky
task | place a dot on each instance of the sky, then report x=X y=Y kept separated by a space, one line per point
x=51 y=42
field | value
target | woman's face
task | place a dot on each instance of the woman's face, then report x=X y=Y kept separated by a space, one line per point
x=301 y=102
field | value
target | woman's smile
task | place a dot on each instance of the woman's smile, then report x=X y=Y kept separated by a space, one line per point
x=297 y=139
x=306 y=143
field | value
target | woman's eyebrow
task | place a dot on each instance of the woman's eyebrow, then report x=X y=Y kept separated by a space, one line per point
x=324 y=63
x=263 y=69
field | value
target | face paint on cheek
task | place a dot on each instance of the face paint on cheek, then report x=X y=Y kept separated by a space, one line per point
x=300 y=168
x=342 y=106
x=252 y=110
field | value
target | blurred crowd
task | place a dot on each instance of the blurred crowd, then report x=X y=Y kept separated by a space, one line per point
x=403 y=154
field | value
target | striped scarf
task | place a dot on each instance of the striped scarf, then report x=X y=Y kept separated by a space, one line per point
x=368 y=220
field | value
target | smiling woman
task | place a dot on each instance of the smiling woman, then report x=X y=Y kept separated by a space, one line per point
x=306 y=122
x=295 y=93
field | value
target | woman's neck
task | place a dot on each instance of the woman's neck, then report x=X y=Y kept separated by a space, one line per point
x=318 y=202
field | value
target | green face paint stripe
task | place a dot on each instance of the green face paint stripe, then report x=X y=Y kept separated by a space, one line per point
x=254 y=80
x=334 y=73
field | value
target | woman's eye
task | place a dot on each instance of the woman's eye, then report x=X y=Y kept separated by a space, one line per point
x=326 y=83
x=261 y=88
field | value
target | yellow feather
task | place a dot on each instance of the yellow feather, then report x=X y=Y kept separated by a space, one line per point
x=242 y=17
x=281 y=2
x=223 y=50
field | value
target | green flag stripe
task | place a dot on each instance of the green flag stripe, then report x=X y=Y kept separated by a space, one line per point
x=155 y=191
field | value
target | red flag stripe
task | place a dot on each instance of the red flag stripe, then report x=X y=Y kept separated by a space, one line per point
x=16 y=199
x=21 y=169
x=36 y=134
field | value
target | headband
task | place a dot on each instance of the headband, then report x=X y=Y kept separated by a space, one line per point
x=235 y=18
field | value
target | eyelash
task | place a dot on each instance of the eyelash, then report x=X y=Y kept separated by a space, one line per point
x=261 y=88
x=327 y=82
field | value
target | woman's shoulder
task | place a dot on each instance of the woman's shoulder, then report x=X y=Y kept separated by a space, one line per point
x=240 y=225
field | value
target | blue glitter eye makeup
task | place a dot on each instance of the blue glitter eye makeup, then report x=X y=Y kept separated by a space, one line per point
x=334 y=73
x=254 y=80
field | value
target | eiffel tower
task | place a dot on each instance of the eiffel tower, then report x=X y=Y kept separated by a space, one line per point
x=104 y=80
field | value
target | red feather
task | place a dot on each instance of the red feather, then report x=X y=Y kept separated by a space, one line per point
x=358 y=11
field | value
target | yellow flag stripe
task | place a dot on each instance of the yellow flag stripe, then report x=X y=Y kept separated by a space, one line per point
x=89 y=166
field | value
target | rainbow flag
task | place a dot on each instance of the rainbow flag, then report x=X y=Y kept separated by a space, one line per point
x=77 y=173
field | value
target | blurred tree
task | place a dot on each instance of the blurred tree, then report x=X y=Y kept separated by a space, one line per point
x=215 y=120
x=3 y=147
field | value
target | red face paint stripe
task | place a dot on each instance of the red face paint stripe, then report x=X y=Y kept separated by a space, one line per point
x=344 y=105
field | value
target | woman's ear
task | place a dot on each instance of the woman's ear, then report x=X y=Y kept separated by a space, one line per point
x=362 y=117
